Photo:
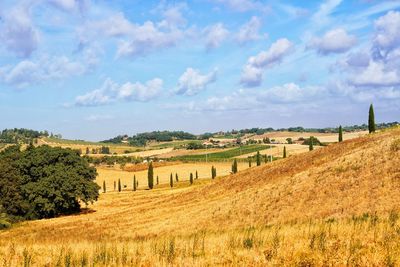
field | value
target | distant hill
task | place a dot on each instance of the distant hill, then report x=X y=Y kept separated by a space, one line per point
x=141 y=139
x=20 y=136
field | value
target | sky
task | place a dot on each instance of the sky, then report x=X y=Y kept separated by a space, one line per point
x=92 y=69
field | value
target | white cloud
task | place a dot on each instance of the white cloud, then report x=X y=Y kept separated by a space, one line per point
x=215 y=35
x=250 y=31
x=134 y=39
x=98 y=117
x=17 y=31
x=376 y=75
x=27 y=72
x=322 y=18
x=112 y=92
x=252 y=71
x=334 y=41
x=193 y=82
x=387 y=36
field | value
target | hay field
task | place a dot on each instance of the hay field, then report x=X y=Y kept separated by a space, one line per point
x=183 y=170
x=334 y=206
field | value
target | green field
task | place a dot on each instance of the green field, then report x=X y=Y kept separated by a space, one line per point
x=175 y=144
x=224 y=155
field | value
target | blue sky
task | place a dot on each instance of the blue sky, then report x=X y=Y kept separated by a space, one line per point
x=94 y=69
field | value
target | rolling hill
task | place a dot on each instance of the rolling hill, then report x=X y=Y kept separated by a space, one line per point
x=322 y=202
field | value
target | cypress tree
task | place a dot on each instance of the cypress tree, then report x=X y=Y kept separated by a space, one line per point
x=150 y=179
x=115 y=185
x=249 y=162
x=176 y=177
x=137 y=184
x=371 y=119
x=265 y=158
x=197 y=175
x=134 y=183
x=212 y=172
x=171 y=181
x=104 y=187
x=311 y=144
x=191 y=178
x=284 y=152
x=157 y=180
x=340 y=134
x=234 y=166
x=258 y=158
x=119 y=185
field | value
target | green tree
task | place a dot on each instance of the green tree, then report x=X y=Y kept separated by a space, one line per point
x=371 y=119
x=258 y=158
x=119 y=185
x=158 y=182
x=197 y=175
x=311 y=144
x=171 y=181
x=104 y=187
x=340 y=134
x=45 y=182
x=249 y=162
x=134 y=183
x=284 y=152
x=115 y=185
x=150 y=174
x=234 y=166
x=191 y=178
x=176 y=177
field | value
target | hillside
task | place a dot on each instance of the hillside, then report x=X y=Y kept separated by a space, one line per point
x=356 y=177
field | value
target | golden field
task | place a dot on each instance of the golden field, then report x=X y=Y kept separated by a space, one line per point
x=109 y=175
x=334 y=206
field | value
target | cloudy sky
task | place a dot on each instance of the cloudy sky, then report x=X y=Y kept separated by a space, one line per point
x=93 y=69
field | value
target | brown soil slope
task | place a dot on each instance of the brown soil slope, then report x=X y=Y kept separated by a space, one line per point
x=351 y=178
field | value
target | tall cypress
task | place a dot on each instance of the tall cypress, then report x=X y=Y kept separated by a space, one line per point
x=115 y=185
x=197 y=175
x=371 y=119
x=150 y=179
x=258 y=158
x=119 y=185
x=234 y=166
x=104 y=187
x=249 y=162
x=340 y=134
x=158 y=180
x=212 y=172
x=284 y=152
x=311 y=144
x=134 y=183
x=191 y=178
x=171 y=181
x=176 y=177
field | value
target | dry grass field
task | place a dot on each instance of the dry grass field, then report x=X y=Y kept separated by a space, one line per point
x=183 y=170
x=334 y=206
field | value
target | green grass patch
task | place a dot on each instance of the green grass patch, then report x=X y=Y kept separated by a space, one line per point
x=226 y=154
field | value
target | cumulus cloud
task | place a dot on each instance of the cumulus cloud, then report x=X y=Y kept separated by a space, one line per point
x=249 y=31
x=193 y=82
x=376 y=75
x=253 y=70
x=111 y=92
x=215 y=35
x=28 y=72
x=134 y=39
x=17 y=31
x=387 y=34
x=334 y=41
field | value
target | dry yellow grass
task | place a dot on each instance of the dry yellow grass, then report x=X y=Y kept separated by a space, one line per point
x=295 y=211
x=183 y=170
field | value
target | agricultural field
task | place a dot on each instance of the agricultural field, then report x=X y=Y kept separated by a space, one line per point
x=227 y=154
x=182 y=169
x=336 y=206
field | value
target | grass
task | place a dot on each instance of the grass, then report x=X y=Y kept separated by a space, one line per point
x=224 y=155
x=335 y=206
x=175 y=144
x=369 y=241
